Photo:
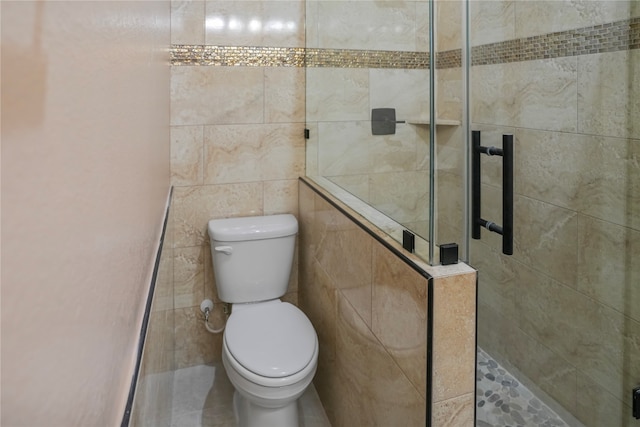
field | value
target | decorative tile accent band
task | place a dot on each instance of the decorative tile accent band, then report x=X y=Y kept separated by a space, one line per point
x=611 y=37
x=235 y=56
x=352 y=58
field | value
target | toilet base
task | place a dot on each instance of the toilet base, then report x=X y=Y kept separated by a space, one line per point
x=249 y=414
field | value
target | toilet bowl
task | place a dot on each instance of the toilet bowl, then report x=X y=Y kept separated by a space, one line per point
x=270 y=348
x=270 y=353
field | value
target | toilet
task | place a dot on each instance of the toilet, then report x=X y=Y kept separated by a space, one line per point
x=270 y=348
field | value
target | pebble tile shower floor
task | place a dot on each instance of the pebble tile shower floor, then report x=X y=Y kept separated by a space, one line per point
x=501 y=400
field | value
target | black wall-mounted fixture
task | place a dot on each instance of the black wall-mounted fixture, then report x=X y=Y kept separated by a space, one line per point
x=506 y=152
x=383 y=121
x=635 y=397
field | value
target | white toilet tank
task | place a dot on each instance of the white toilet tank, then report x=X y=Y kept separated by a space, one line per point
x=252 y=256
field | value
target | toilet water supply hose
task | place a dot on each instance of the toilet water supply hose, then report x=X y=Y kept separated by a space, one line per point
x=206 y=307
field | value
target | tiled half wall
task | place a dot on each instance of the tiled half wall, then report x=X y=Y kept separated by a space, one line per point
x=371 y=310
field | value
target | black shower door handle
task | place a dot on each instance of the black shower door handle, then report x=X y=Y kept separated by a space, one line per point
x=506 y=152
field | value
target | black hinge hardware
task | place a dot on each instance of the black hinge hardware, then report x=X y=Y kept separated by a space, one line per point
x=636 y=403
x=306 y=134
x=408 y=240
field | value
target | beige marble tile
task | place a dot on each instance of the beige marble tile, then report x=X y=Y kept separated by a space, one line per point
x=187 y=22
x=246 y=153
x=283 y=23
x=542 y=17
x=493 y=93
x=383 y=25
x=536 y=363
x=422 y=26
x=159 y=343
x=194 y=344
x=197 y=94
x=545 y=235
x=187 y=148
x=449 y=94
x=284 y=94
x=195 y=206
x=210 y=289
x=281 y=197
x=358 y=185
x=545 y=94
x=234 y=23
x=337 y=94
x=607 y=270
x=291 y=298
x=251 y=23
x=399 y=314
x=538 y=94
x=596 y=339
x=610 y=182
x=317 y=298
x=407 y=206
x=549 y=166
x=344 y=148
x=606 y=87
x=312 y=151
x=394 y=153
x=311 y=23
x=455 y=412
x=340 y=239
x=449 y=218
x=501 y=278
x=306 y=218
x=448 y=25
x=491 y=21
x=597 y=407
x=405 y=90
x=188 y=276
x=374 y=391
x=454 y=348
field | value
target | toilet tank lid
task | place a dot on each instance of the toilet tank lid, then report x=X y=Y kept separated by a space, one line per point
x=252 y=228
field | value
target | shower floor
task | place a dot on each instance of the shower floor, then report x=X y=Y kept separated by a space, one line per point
x=501 y=400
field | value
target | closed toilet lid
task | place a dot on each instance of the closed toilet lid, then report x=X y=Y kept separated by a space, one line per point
x=271 y=340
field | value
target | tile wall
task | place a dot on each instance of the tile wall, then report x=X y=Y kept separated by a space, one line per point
x=562 y=309
x=340 y=97
x=371 y=318
x=236 y=145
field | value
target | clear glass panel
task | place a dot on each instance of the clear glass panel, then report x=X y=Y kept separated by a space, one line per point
x=559 y=320
x=361 y=56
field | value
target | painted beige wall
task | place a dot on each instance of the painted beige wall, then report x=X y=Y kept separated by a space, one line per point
x=85 y=179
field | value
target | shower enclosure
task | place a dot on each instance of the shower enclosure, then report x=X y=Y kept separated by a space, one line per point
x=561 y=314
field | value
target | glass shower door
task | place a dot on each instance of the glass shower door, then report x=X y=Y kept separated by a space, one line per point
x=558 y=321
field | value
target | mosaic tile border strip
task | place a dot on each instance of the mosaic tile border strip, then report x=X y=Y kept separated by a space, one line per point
x=237 y=56
x=611 y=37
x=256 y=56
x=352 y=58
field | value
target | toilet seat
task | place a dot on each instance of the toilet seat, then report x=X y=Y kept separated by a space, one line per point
x=273 y=341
